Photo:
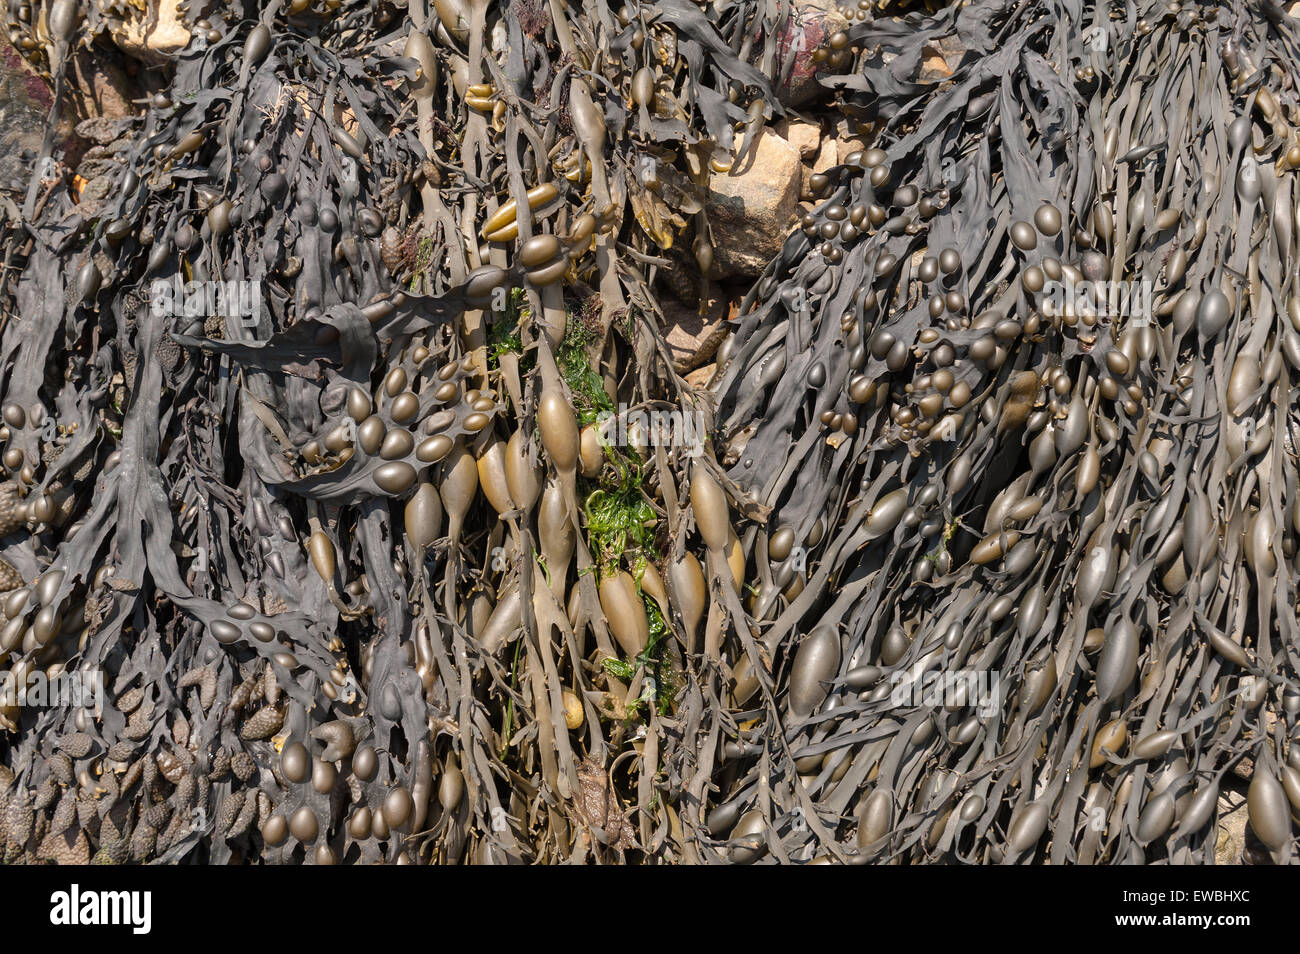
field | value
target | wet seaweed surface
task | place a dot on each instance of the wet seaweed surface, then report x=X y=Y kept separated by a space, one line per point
x=322 y=444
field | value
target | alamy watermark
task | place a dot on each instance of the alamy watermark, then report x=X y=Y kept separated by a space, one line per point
x=980 y=688
x=76 y=907
x=654 y=427
x=1129 y=300
x=238 y=300
x=66 y=690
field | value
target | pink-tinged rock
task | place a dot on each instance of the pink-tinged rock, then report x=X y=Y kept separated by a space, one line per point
x=811 y=25
x=25 y=102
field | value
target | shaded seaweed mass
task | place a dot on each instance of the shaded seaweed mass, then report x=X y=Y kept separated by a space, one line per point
x=345 y=451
